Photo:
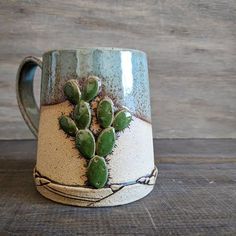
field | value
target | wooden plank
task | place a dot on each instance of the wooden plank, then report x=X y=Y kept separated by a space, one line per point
x=190 y=44
x=188 y=199
x=197 y=151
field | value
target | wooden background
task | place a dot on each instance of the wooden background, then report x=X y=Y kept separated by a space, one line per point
x=191 y=47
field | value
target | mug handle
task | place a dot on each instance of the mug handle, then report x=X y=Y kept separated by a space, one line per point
x=25 y=93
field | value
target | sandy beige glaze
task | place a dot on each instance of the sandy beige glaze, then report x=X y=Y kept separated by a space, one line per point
x=59 y=162
x=133 y=155
x=57 y=157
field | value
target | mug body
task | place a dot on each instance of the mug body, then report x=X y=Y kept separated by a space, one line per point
x=61 y=172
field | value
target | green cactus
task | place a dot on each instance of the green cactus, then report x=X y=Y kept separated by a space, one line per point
x=82 y=115
x=122 y=120
x=105 y=142
x=68 y=125
x=78 y=126
x=97 y=172
x=91 y=88
x=72 y=91
x=105 y=112
x=85 y=143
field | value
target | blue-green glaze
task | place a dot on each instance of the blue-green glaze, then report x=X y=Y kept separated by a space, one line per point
x=123 y=72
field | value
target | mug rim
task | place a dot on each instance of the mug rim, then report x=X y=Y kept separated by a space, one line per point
x=96 y=48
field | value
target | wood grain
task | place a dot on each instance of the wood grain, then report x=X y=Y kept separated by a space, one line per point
x=191 y=47
x=190 y=198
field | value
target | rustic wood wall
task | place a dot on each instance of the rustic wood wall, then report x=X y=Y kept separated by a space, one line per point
x=191 y=47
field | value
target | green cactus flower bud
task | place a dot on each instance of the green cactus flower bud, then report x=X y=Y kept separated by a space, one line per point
x=68 y=125
x=85 y=143
x=105 y=112
x=122 y=120
x=72 y=91
x=82 y=115
x=91 y=88
x=105 y=142
x=97 y=172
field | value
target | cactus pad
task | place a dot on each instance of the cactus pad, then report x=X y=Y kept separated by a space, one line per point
x=105 y=142
x=105 y=112
x=68 y=125
x=72 y=91
x=85 y=143
x=97 y=172
x=122 y=120
x=91 y=88
x=82 y=115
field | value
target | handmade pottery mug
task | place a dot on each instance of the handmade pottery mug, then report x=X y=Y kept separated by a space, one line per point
x=93 y=127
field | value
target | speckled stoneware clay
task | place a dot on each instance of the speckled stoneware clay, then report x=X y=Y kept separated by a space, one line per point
x=94 y=125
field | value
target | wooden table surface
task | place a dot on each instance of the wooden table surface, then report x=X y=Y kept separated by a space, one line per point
x=195 y=194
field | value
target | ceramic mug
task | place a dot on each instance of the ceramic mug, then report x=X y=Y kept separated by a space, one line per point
x=94 y=129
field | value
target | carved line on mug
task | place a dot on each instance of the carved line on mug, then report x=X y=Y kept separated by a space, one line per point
x=57 y=188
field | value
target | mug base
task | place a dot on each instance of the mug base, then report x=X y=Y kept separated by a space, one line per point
x=114 y=195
